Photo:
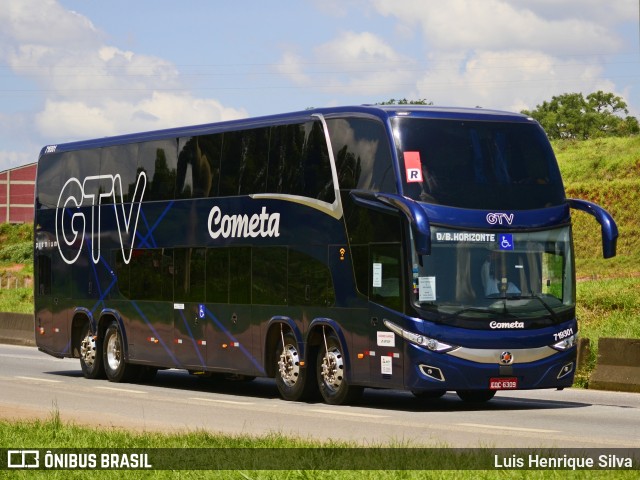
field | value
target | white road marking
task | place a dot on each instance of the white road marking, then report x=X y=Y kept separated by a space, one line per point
x=347 y=414
x=214 y=400
x=512 y=429
x=35 y=379
x=122 y=390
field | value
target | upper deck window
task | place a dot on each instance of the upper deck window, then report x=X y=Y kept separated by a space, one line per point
x=477 y=164
x=362 y=154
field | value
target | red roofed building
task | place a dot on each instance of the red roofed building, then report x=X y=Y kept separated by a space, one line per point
x=17 y=187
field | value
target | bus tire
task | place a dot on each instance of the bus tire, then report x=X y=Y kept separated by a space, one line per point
x=331 y=374
x=291 y=375
x=476 y=396
x=115 y=367
x=91 y=354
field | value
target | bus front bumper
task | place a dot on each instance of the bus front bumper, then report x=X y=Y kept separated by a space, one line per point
x=483 y=369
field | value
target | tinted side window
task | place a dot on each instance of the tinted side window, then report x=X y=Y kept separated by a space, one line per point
x=218 y=275
x=240 y=275
x=269 y=275
x=146 y=275
x=198 y=171
x=49 y=179
x=118 y=160
x=159 y=161
x=189 y=274
x=244 y=162
x=362 y=154
x=365 y=227
x=299 y=162
x=310 y=281
x=285 y=159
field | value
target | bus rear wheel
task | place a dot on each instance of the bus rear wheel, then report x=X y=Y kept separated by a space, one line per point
x=115 y=367
x=291 y=375
x=90 y=354
x=476 y=396
x=332 y=378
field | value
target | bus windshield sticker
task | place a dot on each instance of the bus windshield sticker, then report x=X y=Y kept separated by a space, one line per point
x=465 y=237
x=386 y=339
x=386 y=365
x=413 y=167
x=506 y=241
x=426 y=289
x=377 y=275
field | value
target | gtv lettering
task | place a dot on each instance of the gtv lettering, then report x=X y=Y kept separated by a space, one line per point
x=71 y=224
x=500 y=218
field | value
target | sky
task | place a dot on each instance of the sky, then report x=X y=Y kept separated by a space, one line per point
x=80 y=69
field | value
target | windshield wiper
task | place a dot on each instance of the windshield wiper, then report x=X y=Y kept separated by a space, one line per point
x=552 y=313
x=457 y=313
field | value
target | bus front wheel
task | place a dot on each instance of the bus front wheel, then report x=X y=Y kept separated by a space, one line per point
x=115 y=367
x=331 y=371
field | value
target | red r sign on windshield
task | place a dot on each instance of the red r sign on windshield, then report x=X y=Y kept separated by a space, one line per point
x=413 y=167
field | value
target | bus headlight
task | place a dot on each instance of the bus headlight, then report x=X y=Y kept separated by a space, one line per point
x=421 y=340
x=566 y=343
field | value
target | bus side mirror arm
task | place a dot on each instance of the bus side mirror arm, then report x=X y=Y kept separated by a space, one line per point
x=413 y=212
x=606 y=221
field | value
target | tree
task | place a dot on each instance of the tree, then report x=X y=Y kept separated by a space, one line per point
x=572 y=116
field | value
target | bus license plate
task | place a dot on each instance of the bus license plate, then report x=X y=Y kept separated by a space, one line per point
x=503 y=383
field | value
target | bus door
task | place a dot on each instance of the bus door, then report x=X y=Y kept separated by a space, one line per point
x=385 y=297
x=189 y=308
x=376 y=249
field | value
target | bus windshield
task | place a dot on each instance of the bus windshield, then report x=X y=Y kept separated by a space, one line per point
x=478 y=164
x=479 y=275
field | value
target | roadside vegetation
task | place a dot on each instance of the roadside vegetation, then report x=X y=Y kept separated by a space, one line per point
x=54 y=434
x=605 y=171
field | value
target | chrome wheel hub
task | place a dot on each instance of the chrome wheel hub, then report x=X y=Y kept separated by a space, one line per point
x=289 y=365
x=88 y=350
x=114 y=352
x=332 y=368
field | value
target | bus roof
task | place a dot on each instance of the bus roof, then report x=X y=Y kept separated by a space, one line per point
x=383 y=112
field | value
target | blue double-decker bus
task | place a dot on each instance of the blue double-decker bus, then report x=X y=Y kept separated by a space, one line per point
x=418 y=248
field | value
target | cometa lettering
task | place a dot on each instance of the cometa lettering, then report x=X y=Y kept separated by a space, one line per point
x=261 y=224
x=496 y=325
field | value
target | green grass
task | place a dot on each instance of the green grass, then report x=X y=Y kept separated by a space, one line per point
x=605 y=171
x=54 y=434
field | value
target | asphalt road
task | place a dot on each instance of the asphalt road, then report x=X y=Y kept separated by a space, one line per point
x=34 y=385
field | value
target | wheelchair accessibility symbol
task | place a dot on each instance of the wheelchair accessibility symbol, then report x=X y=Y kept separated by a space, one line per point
x=200 y=311
x=506 y=241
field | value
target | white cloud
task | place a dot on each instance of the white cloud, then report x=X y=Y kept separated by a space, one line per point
x=352 y=63
x=504 y=25
x=490 y=79
x=66 y=120
x=90 y=88
x=511 y=54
